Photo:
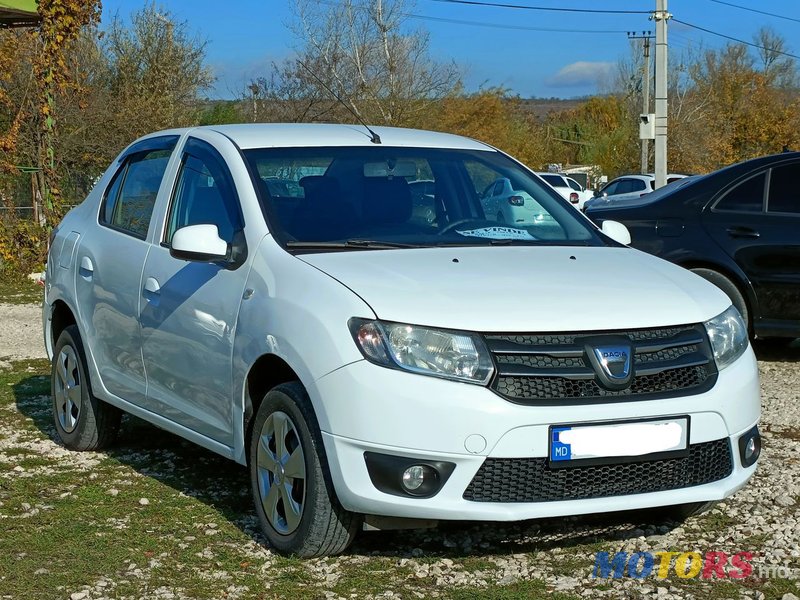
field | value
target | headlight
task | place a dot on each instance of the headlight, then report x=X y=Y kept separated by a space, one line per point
x=449 y=354
x=728 y=336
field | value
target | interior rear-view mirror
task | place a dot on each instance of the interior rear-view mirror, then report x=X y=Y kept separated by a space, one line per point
x=390 y=168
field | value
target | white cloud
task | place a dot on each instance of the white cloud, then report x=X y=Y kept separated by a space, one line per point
x=581 y=73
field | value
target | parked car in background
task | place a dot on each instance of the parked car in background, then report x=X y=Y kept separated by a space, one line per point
x=570 y=189
x=738 y=227
x=615 y=202
x=631 y=186
x=268 y=292
x=503 y=203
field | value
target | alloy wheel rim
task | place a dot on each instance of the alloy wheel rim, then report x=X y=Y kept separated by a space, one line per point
x=281 y=469
x=68 y=389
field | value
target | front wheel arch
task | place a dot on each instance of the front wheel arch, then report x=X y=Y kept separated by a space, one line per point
x=733 y=288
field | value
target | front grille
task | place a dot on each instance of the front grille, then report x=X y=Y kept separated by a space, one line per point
x=551 y=368
x=532 y=480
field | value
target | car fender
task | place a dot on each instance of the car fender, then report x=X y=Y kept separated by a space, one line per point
x=299 y=314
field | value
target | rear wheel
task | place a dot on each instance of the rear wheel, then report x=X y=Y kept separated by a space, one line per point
x=292 y=489
x=82 y=421
x=730 y=288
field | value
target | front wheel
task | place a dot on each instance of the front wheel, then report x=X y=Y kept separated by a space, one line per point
x=293 y=493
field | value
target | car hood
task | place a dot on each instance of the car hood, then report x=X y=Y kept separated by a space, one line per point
x=524 y=288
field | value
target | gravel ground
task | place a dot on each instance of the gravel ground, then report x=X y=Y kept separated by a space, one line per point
x=763 y=518
x=21 y=333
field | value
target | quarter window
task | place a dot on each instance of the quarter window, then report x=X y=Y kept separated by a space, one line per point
x=748 y=196
x=129 y=200
x=205 y=193
x=784 y=193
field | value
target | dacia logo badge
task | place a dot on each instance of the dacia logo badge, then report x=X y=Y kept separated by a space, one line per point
x=612 y=362
x=615 y=361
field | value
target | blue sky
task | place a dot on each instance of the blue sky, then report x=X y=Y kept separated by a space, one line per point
x=245 y=36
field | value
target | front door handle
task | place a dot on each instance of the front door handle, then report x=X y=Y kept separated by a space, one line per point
x=742 y=232
x=151 y=286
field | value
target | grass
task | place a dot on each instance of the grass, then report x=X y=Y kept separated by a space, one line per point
x=20 y=292
x=72 y=521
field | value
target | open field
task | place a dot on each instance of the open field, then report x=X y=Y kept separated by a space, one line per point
x=156 y=517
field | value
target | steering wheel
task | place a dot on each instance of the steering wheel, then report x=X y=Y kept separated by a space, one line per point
x=477 y=222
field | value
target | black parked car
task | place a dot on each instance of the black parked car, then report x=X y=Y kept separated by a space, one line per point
x=738 y=227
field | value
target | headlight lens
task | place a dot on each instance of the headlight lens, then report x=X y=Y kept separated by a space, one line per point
x=728 y=336
x=450 y=354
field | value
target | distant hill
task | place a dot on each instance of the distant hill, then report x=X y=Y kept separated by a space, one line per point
x=541 y=107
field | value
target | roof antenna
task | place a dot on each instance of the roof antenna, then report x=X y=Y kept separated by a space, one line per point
x=374 y=137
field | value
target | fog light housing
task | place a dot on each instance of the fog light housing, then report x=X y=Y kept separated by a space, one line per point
x=750 y=447
x=403 y=476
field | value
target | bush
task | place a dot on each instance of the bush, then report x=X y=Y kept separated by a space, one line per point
x=23 y=248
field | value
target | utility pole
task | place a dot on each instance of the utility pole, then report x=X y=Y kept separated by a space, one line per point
x=645 y=37
x=661 y=16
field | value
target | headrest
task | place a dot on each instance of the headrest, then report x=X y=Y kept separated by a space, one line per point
x=386 y=200
x=321 y=188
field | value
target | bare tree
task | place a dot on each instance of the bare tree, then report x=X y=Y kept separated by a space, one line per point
x=363 y=52
x=779 y=69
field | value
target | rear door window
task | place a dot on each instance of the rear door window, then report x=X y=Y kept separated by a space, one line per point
x=129 y=200
x=637 y=185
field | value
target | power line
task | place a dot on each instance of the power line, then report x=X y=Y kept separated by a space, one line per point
x=728 y=37
x=550 y=8
x=516 y=27
x=761 y=12
x=489 y=25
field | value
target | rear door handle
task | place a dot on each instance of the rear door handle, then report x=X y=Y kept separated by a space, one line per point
x=151 y=286
x=742 y=232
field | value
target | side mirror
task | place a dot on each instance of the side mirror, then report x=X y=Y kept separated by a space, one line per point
x=617 y=232
x=199 y=243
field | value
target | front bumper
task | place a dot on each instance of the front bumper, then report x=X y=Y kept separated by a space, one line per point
x=367 y=408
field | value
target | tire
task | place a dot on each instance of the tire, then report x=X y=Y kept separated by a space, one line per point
x=300 y=516
x=82 y=421
x=730 y=288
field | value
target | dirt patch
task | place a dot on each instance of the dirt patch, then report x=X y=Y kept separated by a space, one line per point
x=21 y=332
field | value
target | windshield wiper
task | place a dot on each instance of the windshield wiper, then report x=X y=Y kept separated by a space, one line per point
x=354 y=243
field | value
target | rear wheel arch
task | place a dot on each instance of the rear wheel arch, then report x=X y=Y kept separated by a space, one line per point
x=62 y=316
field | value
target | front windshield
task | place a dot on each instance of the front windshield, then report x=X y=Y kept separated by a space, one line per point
x=408 y=197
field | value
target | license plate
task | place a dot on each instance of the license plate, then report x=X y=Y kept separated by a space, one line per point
x=627 y=439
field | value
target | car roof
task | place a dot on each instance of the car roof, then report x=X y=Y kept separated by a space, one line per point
x=293 y=135
x=635 y=176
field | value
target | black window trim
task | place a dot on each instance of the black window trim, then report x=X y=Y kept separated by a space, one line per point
x=162 y=142
x=187 y=151
x=722 y=195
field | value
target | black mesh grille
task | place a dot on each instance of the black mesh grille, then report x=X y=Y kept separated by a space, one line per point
x=546 y=368
x=544 y=388
x=532 y=480
x=540 y=360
